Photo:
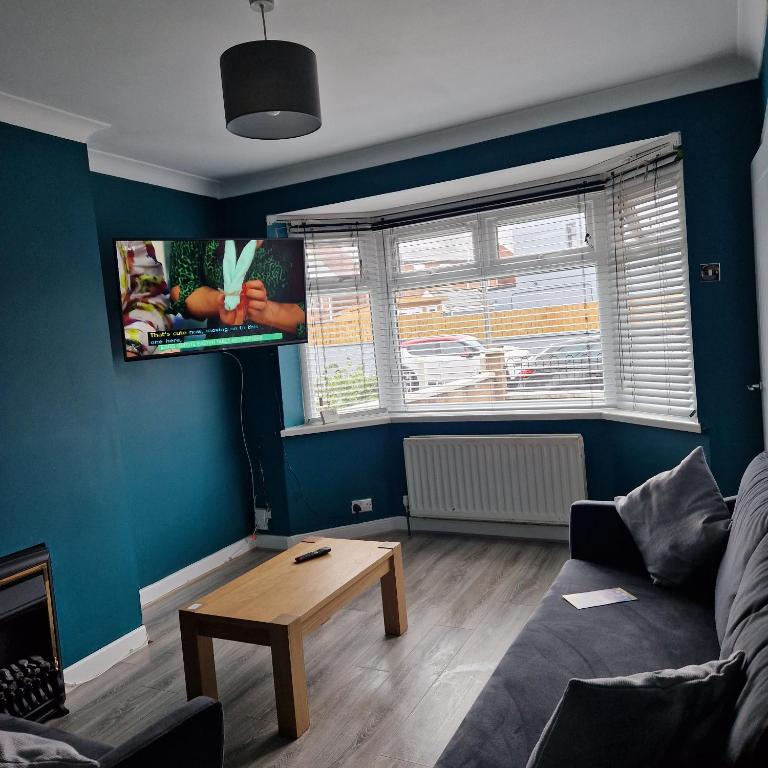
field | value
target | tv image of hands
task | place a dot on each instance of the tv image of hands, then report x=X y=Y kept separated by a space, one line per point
x=189 y=296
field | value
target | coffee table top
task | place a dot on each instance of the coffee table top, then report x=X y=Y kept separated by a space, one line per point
x=280 y=590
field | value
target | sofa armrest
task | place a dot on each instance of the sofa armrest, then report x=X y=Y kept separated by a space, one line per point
x=191 y=736
x=599 y=535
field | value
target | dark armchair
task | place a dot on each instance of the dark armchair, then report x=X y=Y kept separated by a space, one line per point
x=191 y=736
x=598 y=534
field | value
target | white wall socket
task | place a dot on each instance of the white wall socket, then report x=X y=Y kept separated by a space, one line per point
x=261 y=518
x=362 y=505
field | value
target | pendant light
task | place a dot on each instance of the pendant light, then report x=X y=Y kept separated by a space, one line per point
x=270 y=86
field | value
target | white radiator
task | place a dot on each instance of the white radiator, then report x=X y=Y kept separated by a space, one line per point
x=508 y=478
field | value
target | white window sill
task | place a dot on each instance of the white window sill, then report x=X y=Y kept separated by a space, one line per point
x=351 y=423
x=662 y=422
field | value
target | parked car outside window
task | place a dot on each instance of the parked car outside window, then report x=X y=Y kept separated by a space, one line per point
x=437 y=360
x=576 y=365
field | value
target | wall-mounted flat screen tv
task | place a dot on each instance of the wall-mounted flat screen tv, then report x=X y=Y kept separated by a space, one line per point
x=182 y=297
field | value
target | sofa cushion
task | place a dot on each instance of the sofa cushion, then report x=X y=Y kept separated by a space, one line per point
x=747 y=630
x=17 y=749
x=93 y=749
x=679 y=521
x=748 y=528
x=661 y=629
x=605 y=722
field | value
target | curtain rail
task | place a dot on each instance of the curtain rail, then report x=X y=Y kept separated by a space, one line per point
x=537 y=193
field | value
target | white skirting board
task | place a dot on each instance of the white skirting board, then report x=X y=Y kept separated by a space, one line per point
x=400 y=523
x=193 y=571
x=490 y=528
x=100 y=661
x=367 y=528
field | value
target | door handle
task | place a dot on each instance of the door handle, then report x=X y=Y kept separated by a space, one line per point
x=755 y=387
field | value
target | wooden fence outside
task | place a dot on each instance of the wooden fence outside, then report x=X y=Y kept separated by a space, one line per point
x=353 y=326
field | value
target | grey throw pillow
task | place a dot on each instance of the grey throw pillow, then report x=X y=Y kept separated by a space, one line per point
x=17 y=749
x=673 y=717
x=679 y=522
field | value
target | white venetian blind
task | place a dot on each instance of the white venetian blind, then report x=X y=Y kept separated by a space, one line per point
x=647 y=299
x=339 y=366
x=494 y=311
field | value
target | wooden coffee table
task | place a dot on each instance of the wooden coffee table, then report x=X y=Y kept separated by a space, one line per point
x=278 y=603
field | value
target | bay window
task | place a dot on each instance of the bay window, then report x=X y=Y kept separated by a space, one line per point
x=571 y=297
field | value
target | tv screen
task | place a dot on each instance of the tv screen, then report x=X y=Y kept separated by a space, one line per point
x=182 y=297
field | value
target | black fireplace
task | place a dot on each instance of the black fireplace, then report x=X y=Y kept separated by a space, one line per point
x=31 y=676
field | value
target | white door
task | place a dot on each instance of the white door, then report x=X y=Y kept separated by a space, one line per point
x=760 y=215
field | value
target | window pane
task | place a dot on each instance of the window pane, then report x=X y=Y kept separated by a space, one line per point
x=534 y=236
x=556 y=318
x=429 y=254
x=331 y=259
x=650 y=312
x=501 y=341
x=339 y=356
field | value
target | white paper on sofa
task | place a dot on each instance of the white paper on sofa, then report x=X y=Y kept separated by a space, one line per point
x=599 y=597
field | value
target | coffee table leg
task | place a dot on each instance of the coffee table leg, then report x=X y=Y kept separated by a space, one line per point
x=199 y=666
x=393 y=595
x=287 y=643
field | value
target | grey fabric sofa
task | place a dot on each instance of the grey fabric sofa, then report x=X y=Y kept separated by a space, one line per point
x=663 y=629
x=191 y=736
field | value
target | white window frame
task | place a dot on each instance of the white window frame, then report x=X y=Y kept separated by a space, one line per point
x=487 y=265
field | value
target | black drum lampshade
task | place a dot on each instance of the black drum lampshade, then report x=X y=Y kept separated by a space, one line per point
x=270 y=90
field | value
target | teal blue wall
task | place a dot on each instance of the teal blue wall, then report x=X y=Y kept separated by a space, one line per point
x=179 y=422
x=127 y=472
x=336 y=467
x=62 y=475
x=720 y=132
x=263 y=420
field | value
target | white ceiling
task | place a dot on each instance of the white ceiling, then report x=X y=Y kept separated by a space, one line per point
x=485 y=184
x=389 y=70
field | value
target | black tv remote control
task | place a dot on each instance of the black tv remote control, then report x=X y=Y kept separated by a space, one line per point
x=312 y=555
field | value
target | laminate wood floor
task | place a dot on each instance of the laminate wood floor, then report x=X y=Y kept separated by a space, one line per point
x=375 y=702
